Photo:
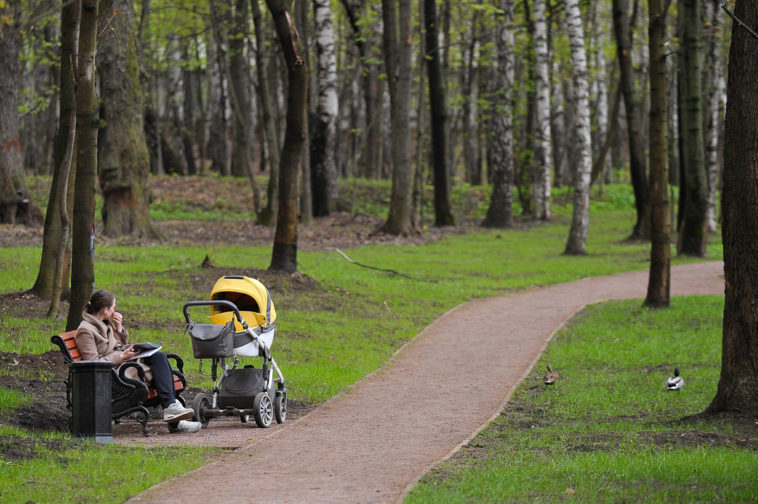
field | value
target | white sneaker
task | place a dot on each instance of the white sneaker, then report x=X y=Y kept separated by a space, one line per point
x=175 y=412
x=188 y=426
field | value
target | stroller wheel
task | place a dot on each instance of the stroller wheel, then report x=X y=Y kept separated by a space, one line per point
x=280 y=408
x=263 y=410
x=244 y=418
x=200 y=403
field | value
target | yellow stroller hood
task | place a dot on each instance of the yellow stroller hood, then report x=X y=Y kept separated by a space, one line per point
x=251 y=297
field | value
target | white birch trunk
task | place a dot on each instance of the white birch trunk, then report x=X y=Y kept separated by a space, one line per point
x=327 y=109
x=577 y=240
x=711 y=110
x=542 y=154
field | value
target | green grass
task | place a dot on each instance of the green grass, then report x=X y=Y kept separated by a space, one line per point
x=12 y=399
x=55 y=468
x=333 y=332
x=608 y=431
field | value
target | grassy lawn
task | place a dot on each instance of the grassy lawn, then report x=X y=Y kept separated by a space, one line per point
x=608 y=431
x=336 y=322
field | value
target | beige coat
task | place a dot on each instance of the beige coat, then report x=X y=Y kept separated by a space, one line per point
x=98 y=340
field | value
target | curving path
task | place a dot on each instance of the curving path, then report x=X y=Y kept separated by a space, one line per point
x=372 y=443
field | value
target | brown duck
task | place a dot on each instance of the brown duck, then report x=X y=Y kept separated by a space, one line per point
x=551 y=376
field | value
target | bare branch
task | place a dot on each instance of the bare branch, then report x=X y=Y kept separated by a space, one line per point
x=739 y=22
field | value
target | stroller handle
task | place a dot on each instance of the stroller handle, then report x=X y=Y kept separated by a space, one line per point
x=219 y=302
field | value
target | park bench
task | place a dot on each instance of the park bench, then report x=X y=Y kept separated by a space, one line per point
x=128 y=396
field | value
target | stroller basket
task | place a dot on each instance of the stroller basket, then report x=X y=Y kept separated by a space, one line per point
x=211 y=340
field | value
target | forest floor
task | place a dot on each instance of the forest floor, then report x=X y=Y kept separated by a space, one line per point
x=41 y=376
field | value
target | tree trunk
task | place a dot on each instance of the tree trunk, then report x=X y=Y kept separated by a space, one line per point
x=711 y=109
x=16 y=206
x=623 y=30
x=442 y=208
x=69 y=55
x=217 y=139
x=54 y=234
x=738 y=384
x=266 y=99
x=242 y=160
x=692 y=235
x=542 y=151
x=306 y=192
x=659 y=281
x=188 y=107
x=284 y=254
x=500 y=213
x=124 y=161
x=323 y=132
x=580 y=222
x=87 y=122
x=397 y=50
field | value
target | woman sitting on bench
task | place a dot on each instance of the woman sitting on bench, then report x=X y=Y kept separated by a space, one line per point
x=101 y=336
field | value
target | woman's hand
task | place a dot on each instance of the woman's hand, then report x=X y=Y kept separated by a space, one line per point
x=117 y=319
x=129 y=353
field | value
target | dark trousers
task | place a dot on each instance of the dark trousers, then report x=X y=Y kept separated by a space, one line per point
x=163 y=379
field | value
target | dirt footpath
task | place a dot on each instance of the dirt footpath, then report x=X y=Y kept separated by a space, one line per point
x=372 y=443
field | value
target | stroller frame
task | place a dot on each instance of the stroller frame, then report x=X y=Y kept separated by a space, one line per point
x=267 y=404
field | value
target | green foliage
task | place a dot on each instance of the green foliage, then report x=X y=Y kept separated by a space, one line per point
x=608 y=431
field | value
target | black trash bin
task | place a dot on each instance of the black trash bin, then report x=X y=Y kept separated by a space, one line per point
x=91 y=400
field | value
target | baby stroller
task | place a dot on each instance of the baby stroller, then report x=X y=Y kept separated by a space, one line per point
x=242 y=325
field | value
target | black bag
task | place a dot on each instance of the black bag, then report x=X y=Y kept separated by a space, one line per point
x=240 y=387
x=212 y=340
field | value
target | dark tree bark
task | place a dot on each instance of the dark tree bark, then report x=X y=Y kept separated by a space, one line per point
x=372 y=88
x=284 y=254
x=500 y=211
x=659 y=282
x=623 y=31
x=54 y=234
x=694 y=195
x=217 y=138
x=442 y=213
x=397 y=51
x=123 y=157
x=265 y=98
x=69 y=23
x=242 y=159
x=15 y=204
x=87 y=122
x=738 y=384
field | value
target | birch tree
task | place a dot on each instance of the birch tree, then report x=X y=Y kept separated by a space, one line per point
x=577 y=240
x=711 y=106
x=542 y=151
x=500 y=211
x=324 y=126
